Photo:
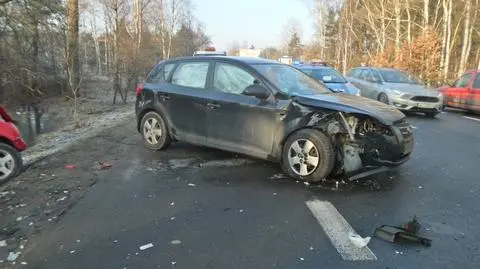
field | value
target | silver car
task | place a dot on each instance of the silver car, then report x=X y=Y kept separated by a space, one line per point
x=396 y=88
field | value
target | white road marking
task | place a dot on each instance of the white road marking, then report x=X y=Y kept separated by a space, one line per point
x=338 y=230
x=470 y=118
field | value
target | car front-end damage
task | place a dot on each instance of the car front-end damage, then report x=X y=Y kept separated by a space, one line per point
x=365 y=143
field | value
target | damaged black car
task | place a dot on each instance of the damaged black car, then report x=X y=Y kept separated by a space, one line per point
x=271 y=111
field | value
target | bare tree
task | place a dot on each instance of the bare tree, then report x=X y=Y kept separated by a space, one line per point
x=73 y=64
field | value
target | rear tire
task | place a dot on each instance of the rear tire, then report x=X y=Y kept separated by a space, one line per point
x=314 y=158
x=10 y=163
x=154 y=131
x=383 y=98
x=431 y=114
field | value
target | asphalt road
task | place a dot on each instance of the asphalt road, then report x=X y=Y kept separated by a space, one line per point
x=202 y=208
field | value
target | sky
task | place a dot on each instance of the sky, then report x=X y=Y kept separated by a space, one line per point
x=257 y=22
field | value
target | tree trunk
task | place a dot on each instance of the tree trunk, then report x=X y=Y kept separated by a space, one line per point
x=397 y=26
x=448 y=6
x=466 y=38
x=426 y=13
x=73 y=65
x=409 y=22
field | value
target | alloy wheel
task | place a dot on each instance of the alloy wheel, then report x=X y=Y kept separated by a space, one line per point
x=152 y=131
x=303 y=157
x=7 y=164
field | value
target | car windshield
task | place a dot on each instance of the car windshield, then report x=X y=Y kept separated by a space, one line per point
x=395 y=76
x=290 y=80
x=327 y=75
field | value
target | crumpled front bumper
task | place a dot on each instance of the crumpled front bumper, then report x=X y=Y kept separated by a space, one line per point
x=19 y=144
x=388 y=151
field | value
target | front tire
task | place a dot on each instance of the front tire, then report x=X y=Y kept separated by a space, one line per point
x=155 y=132
x=383 y=98
x=10 y=163
x=308 y=155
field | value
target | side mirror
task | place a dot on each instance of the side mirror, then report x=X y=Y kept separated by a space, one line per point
x=257 y=91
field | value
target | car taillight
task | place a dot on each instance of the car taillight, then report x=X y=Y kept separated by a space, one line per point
x=139 y=89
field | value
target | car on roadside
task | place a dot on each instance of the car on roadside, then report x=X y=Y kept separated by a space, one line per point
x=397 y=88
x=11 y=144
x=270 y=111
x=464 y=93
x=328 y=76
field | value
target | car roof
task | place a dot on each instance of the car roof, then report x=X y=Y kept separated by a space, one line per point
x=313 y=66
x=237 y=59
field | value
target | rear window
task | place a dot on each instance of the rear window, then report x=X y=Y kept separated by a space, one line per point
x=160 y=73
x=326 y=75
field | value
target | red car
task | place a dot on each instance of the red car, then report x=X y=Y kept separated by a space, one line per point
x=464 y=93
x=11 y=144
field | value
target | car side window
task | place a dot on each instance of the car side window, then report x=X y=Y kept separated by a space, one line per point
x=366 y=74
x=231 y=79
x=191 y=74
x=476 y=84
x=463 y=81
x=353 y=73
x=161 y=73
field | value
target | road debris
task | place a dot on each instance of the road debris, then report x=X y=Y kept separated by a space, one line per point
x=274 y=194
x=3 y=243
x=400 y=236
x=311 y=248
x=173 y=262
x=359 y=241
x=175 y=242
x=62 y=199
x=12 y=256
x=23 y=263
x=306 y=183
x=78 y=241
x=71 y=166
x=20 y=218
x=172 y=218
x=72 y=251
x=240 y=211
x=277 y=176
x=172 y=203
x=115 y=241
x=147 y=246
x=420 y=187
x=398 y=252
x=413 y=226
x=104 y=165
x=191 y=185
x=22 y=246
x=302 y=259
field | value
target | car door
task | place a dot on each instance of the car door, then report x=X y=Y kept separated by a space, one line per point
x=237 y=122
x=365 y=83
x=184 y=101
x=456 y=96
x=473 y=101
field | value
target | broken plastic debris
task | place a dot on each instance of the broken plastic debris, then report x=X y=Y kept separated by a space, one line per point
x=72 y=251
x=43 y=175
x=24 y=263
x=191 y=184
x=115 y=241
x=173 y=262
x=19 y=218
x=104 y=165
x=12 y=256
x=302 y=259
x=147 y=246
x=172 y=203
x=172 y=218
x=398 y=252
x=70 y=166
x=274 y=193
x=61 y=199
x=175 y=242
x=65 y=191
x=78 y=241
x=359 y=241
x=420 y=187
x=22 y=247
x=306 y=183
x=277 y=176
x=311 y=248
x=3 y=243
x=241 y=210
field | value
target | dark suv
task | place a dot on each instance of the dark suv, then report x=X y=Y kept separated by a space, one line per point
x=270 y=111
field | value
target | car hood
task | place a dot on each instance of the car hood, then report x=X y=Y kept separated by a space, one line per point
x=414 y=89
x=352 y=104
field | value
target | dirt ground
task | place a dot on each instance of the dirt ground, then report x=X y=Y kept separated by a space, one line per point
x=40 y=196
